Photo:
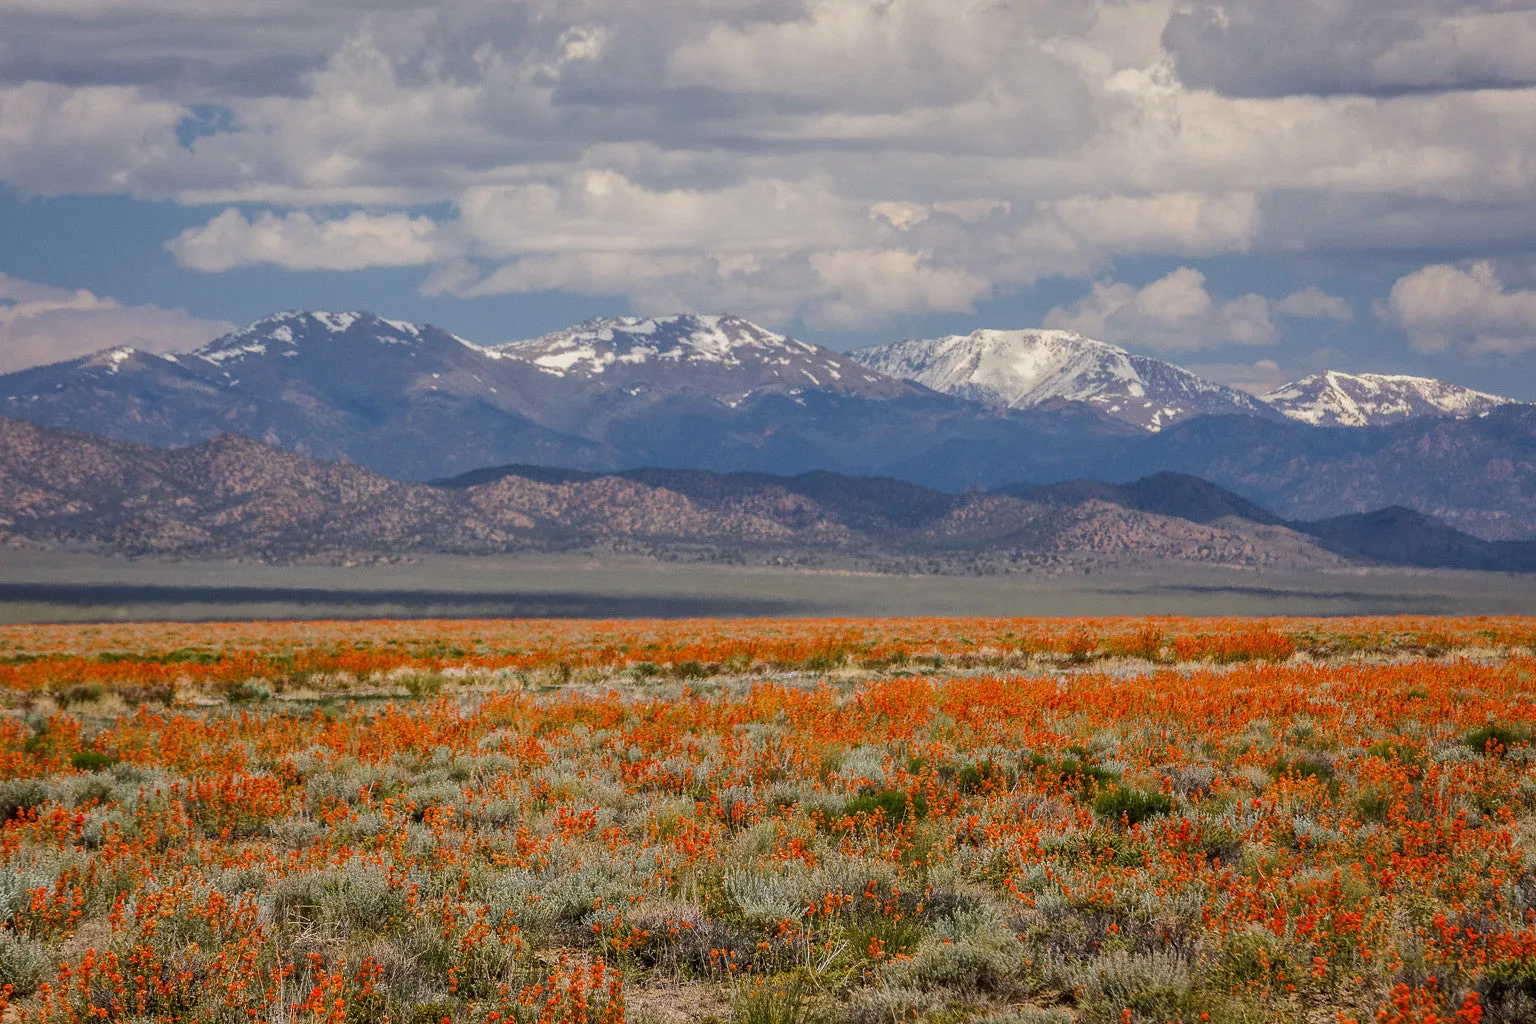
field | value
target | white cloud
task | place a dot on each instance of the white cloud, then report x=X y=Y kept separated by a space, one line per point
x=1315 y=304
x=859 y=283
x=1175 y=313
x=603 y=210
x=40 y=324
x=832 y=288
x=300 y=241
x=1444 y=307
x=1256 y=378
x=1188 y=223
x=56 y=139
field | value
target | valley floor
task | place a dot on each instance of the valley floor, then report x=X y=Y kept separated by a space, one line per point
x=52 y=586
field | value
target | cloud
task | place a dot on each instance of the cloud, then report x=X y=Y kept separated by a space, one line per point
x=1173 y=314
x=833 y=288
x=1263 y=48
x=1315 y=304
x=41 y=324
x=857 y=282
x=299 y=241
x=1188 y=223
x=55 y=139
x=603 y=210
x=1256 y=378
x=732 y=151
x=1466 y=308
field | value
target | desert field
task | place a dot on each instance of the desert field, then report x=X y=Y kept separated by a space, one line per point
x=1113 y=820
x=38 y=586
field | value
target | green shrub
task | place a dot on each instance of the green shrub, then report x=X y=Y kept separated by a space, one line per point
x=92 y=760
x=777 y=1001
x=249 y=690
x=1373 y=804
x=1503 y=736
x=79 y=693
x=422 y=684
x=367 y=1008
x=894 y=804
x=432 y=1013
x=1250 y=957
x=1129 y=804
x=1302 y=769
x=1075 y=772
x=1395 y=750
x=20 y=795
x=1510 y=984
x=978 y=777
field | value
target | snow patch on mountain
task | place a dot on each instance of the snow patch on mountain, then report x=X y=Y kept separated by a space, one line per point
x=1024 y=368
x=1337 y=399
x=590 y=348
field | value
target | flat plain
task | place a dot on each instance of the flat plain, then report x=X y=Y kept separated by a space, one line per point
x=57 y=586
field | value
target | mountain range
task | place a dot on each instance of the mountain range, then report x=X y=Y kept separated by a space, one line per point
x=232 y=497
x=721 y=394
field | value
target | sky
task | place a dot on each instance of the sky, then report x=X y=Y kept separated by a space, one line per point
x=1254 y=189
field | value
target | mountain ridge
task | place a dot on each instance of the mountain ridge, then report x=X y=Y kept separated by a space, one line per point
x=1337 y=399
x=1026 y=368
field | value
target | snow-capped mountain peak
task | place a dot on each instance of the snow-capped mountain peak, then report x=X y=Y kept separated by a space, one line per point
x=593 y=347
x=719 y=355
x=1337 y=399
x=288 y=331
x=1019 y=369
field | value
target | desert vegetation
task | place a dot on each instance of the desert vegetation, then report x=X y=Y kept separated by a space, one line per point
x=772 y=822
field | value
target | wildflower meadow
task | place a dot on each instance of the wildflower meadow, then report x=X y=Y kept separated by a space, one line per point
x=995 y=821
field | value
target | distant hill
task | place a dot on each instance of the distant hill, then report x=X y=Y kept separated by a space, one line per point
x=1477 y=474
x=233 y=497
x=1401 y=536
x=1178 y=495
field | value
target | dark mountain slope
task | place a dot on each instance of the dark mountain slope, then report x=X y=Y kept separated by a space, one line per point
x=1401 y=536
x=1171 y=494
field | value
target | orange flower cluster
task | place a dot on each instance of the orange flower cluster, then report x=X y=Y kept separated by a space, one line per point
x=1219 y=830
x=137 y=658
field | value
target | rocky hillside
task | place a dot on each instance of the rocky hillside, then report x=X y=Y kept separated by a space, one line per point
x=233 y=497
x=237 y=498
